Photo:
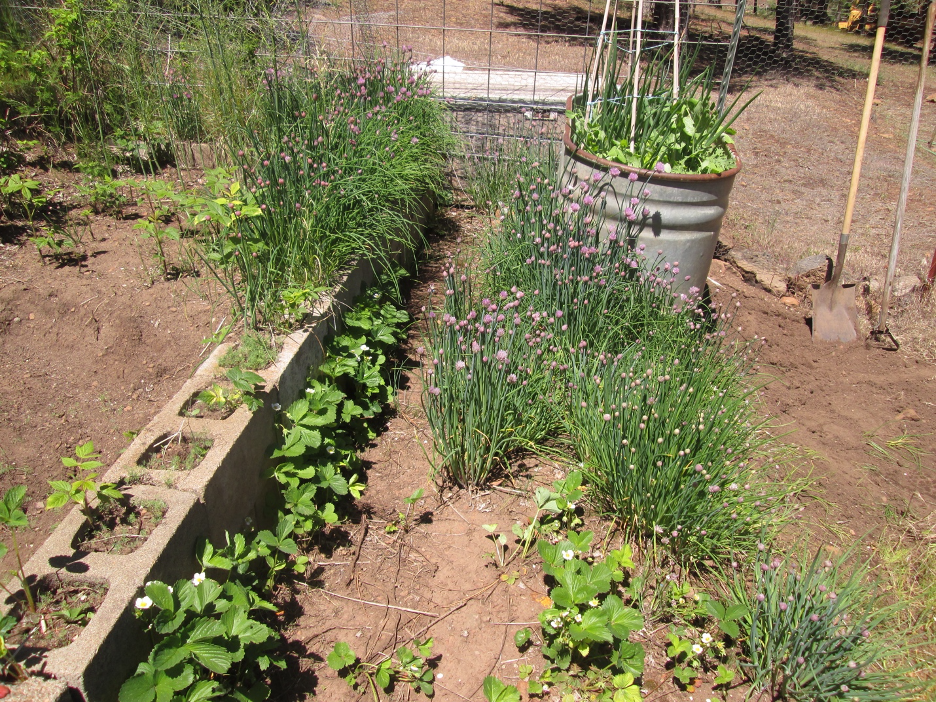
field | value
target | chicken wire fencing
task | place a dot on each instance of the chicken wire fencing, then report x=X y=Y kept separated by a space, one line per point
x=510 y=58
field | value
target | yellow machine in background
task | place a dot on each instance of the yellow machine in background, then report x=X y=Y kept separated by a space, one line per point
x=860 y=19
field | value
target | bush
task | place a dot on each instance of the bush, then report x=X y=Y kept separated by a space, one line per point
x=667 y=433
x=338 y=165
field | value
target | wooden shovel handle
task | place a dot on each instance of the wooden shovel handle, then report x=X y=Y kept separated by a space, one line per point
x=862 y=138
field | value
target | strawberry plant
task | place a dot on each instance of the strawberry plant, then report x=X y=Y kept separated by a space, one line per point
x=208 y=643
x=13 y=517
x=64 y=492
x=410 y=666
x=588 y=622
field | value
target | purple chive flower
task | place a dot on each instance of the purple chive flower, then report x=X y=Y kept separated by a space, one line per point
x=435 y=391
x=459 y=365
x=511 y=378
x=615 y=172
x=632 y=177
x=501 y=356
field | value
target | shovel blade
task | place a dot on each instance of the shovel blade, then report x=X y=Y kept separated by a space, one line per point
x=835 y=316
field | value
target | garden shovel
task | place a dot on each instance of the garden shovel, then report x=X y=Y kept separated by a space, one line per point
x=835 y=316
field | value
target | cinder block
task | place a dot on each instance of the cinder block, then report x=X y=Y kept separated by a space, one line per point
x=110 y=646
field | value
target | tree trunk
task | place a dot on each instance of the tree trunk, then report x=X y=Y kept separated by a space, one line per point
x=664 y=15
x=783 y=31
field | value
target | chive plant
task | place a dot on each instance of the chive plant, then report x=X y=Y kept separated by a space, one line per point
x=813 y=629
x=667 y=430
x=338 y=161
x=488 y=381
x=552 y=240
x=491 y=165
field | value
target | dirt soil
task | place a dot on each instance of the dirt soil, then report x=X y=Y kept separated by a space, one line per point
x=377 y=590
x=49 y=626
x=119 y=529
x=177 y=453
x=88 y=352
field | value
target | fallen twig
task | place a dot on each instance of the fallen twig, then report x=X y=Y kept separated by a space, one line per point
x=357 y=553
x=377 y=604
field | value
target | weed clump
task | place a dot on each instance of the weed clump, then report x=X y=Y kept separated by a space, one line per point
x=253 y=352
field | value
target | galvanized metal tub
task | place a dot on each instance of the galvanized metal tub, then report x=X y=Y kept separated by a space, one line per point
x=686 y=210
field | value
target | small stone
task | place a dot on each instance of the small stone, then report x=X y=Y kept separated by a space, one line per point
x=758 y=273
x=32 y=316
x=127 y=408
x=809 y=264
x=903 y=285
x=908 y=415
x=17 y=319
x=789 y=301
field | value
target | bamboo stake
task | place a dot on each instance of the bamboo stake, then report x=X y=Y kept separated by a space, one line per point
x=676 y=53
x=603 y=82
x=599 y=51
x=636 y=81
x=630 y=40
x=908 y=167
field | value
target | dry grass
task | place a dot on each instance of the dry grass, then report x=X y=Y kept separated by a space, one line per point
x=906 y=568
